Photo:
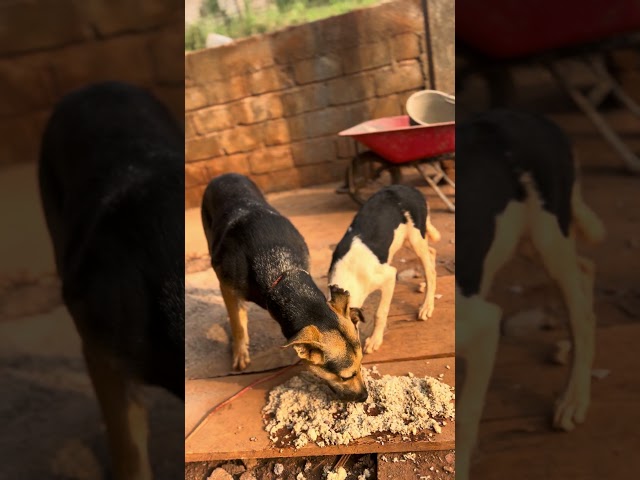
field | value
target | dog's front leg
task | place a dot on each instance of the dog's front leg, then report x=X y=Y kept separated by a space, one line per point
x=388 y=285
x=575 y=277
x=124 y=414
x=239 y=327
x=477 y=333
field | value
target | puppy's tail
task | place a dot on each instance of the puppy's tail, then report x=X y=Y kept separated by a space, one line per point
x=432 y=232
x=587 y=223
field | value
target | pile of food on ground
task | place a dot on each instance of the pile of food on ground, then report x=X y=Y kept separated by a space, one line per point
x=304 y=410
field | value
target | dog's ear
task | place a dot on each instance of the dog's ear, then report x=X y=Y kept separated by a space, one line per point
x=307 y=344
x=339 y=300
x=356 y=315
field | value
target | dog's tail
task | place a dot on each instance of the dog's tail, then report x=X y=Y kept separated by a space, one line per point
x=587 y=223
x=432 y=232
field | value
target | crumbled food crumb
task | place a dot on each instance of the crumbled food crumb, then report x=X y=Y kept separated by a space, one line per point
x=253 y=439
x=410 y=456
x=307 y=466
x=301 y=476
x=447 y=367
x=366 y=473
x=340 y=474
x=306 y=409
x=278 y=468
x=383 y=458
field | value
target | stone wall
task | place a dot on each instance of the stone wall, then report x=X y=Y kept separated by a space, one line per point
x=271 y=106
x=49 y=47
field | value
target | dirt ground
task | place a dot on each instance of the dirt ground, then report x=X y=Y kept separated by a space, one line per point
x=516 y=440
x=398 y=466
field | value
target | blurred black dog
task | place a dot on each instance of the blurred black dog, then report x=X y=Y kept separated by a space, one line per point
x=111 y=178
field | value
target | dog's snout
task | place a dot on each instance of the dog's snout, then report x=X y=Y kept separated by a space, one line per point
x=362 y=396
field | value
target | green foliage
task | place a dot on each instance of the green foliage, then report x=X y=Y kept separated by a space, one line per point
x=209 y=7
x=277 y=16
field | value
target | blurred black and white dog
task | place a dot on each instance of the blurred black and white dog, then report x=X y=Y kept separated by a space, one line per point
x=516 y=179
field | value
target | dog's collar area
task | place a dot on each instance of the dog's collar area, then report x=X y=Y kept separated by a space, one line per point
x=277 y=280
x=282 y=275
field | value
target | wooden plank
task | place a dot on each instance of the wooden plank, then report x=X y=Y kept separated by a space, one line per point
x=201 y=395
x=527 y=448
x=226 y=433
x=407 y=338
x=517 y=421
x=522 y=388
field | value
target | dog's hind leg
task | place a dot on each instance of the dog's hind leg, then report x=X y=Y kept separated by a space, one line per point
x=388 y=285
x=124 y=414
x=575 y=278
x=427 y=256
x=239 y=327
x=477 y=332
x=585 y=220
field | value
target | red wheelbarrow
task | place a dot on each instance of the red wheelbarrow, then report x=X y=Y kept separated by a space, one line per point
x=557 y=36
x=403 y=141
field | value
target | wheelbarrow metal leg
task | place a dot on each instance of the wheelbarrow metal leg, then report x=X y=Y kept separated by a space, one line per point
x=435 y=187
x=443 y=175
x=599 y=68
x=631 y=159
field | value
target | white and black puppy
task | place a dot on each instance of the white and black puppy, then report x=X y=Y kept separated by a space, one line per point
x=517 y=179
x=361 y=262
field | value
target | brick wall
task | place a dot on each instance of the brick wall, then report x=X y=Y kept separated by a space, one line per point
x=49 y=47
x=270 y=106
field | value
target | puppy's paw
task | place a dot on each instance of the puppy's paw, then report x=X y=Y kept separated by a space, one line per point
x=571 y=409
x=241 y=359
x=425 y=312
x=372 y=343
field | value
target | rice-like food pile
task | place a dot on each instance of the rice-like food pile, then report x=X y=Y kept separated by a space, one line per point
x=307 y=411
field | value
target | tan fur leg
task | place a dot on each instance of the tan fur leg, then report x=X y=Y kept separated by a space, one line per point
x=563 y=264
x=427 y=256
x=586 y=222
x=477 y=332
x=124 y=414
x=239 y=327
x=374 y=342
x=588 y=270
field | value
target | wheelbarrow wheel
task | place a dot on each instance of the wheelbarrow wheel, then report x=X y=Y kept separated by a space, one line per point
x=368 y=173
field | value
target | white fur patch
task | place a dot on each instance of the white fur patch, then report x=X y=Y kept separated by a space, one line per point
x=358 y=272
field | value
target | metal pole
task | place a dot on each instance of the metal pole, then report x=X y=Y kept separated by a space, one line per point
x=427 y=39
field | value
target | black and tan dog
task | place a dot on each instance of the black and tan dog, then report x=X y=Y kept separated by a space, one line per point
x=259 y=256
x=111 y=179
x=517 y=179
x=361 y=262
